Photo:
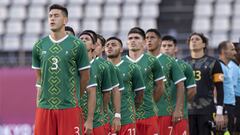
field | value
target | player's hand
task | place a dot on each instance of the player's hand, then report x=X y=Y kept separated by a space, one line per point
x=219 y=119
x=88 y=127
x=116 y=124
x=177 y=116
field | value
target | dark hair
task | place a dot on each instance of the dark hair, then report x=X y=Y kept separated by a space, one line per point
x=60 y=7
x=202 y=36
x=236 y=44
x=222 y=46
x=93 y=34
x=86 y=33
x=102 y=39
x=115 y=38
x=137 y=30
x=68 y=28
x=170 y=38
x=154 y=31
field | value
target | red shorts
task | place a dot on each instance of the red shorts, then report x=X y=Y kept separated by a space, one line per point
x=167 y=127
x=59 y=122
x=100 y=130
x=148 y=126
x=128 y=129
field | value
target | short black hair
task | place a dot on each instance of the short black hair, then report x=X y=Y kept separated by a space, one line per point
x=86 y=33
x=154 y=31
x=94 y=35
x=236 y=44
x=115 y=38
x=137 y=30
x=60 y=7
x=68 y=28
x=222 y=46
x=202 y=36
x=102 y=39
x=170 y=38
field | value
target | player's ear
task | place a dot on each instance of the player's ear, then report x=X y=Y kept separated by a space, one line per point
x=176 y=49
x=65 y=20
x=121 y=50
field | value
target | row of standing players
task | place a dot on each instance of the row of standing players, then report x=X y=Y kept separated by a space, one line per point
x=140 y=93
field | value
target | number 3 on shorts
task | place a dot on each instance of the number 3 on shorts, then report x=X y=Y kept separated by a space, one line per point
x=76 y=129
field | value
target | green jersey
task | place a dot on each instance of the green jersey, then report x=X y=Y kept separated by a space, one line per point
x=173 y=75
x=188 y=83
x=133 y=81
x=99 y=78
x=59 y=63
x=152 y=71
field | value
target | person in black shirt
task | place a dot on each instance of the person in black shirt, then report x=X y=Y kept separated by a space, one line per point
x=208 y=74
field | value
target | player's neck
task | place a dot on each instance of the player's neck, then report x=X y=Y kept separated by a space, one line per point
x=135 y=54
x=197 y=54
x=58 y=35
x=224 y=59
x=116 y=60
x=155 y=52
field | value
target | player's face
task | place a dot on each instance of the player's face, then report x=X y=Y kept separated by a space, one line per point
x=135 y=42
x=113 y=49
x=230 y=51
x=196 y=43
x=56 y=20
x=168 y=47
x=237 y=55
x=98 y=48
x=88 y=41
x=153 y=41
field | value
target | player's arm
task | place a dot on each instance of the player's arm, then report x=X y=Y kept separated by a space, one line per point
x=158 y=78
x=38 y=86
x=217 y=74
x=191 y=92
x=190 y=83
x=84 y=78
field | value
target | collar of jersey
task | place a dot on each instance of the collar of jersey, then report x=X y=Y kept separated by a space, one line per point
x=159 y=55
x=119 y=63
x=57 y=41
x=135 y=61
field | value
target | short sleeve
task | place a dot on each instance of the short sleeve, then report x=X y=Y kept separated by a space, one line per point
x=113 y=73
x=36 y=51
x=177 y=73
x=190 y=79
x=93 y=77
x=106 y=80
x=137 y=79
x=82 y=57
x=157 y=70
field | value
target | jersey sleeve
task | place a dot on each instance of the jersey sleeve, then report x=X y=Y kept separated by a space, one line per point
x=106 y=81
x=177 y=73
x=190 y=79
x=36 y=62
x=157 y=70
x=113 y=74
x=93 y=77
x=137 y=79
x=82 y=59
x=120 y=79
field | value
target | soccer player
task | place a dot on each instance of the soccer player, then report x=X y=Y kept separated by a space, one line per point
x=62 y=67
x=153 y=77
x=169 y=47
x=170 y=113
x=101 y=80
x=132 y=94
x=69 y=30
x=226 y=52
x=208 y=73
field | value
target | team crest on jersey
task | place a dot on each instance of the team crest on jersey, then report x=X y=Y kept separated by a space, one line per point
x=44 y=52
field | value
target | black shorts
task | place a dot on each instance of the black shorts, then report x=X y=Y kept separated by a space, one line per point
x=200 y=124
x=231 y=115
x=237 y=113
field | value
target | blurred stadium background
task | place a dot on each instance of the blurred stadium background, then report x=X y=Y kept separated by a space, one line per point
x=22 y=22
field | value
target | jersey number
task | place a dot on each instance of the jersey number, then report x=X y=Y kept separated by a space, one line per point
x=76 y=130
x=131 y=131
x=197 y=75
x=54 y=64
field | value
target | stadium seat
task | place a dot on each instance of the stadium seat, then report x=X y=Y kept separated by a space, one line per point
x=75 y=11
x=109 y=26
x=201 y=24
x=221 y=24
x=2 y=27
x=130 y=11
x=20 y=2
x=39 y=2
x=112 y=11
x=61 y=2
x=75 y=24
x=216 y=38
x=93 y=11
x=3 y=12
x=203 y=10
x=95 y=1
x=123 y=37
x=126 y=24
x=235 y=25
x=37 y=12
x=17 y=12
x=91 y=24
x=236 y=10
x=133 y=1
x=147 y=23
x=224 y=1
x=5 y=2
x=152 y=1
x=28 y=41
x=234 y=36
x=46 y=28
x=14 y=27
x=11 y=42
x=114 y=1
x=33 y=27
x=77 y=2
x=149 y=10
x=204 y=1
x=223 y=9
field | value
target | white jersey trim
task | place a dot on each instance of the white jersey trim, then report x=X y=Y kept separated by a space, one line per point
x=134 y=61
x=182 y=79
x=119 y=63
x=83 y=68
x=92 y=85
x=35 y=67
x=159 y=55
x=160 y=78
x=141 y=88
x=57 y=41
x=115 y=86
x=191 y=86
x=120 y=89
x=109 y=89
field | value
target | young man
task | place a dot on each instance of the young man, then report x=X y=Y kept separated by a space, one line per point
x=226 y=52
x=62 y=67
x=133 y=85
x=153 y=78
x=208 y=73
x=171 y=113
x=101 y=80
x=169 y=47
x=69 y=30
